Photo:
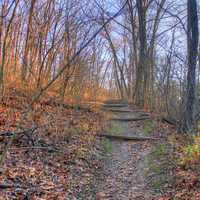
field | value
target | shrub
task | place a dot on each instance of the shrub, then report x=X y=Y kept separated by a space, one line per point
x=191 y=153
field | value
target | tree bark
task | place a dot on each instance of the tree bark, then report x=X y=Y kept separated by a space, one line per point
x=141 y=69
x=26 y=48
x=188 y=121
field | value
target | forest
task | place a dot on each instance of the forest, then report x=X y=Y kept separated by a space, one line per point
x=99 y=100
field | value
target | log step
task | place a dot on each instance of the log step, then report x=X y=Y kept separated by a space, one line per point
x=127 y=138
x=117 y=110
x=129 y=119
x=115 y=105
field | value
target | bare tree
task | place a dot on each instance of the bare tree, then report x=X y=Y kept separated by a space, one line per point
x=188 y=120
x=142 y=72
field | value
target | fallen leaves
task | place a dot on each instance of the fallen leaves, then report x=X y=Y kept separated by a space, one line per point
x=186 y=179
x=60 y=163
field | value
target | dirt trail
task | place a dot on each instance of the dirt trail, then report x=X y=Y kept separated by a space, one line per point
x=124 y=167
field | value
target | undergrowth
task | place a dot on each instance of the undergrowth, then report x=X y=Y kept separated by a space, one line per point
x=190 y=153
x=107 y=146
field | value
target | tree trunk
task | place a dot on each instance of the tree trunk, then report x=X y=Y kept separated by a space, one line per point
x=26 y=48
x=188 y=121
x=141 y=76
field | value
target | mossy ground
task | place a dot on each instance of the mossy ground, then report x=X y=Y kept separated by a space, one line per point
x=148 y=127
x=159 y=165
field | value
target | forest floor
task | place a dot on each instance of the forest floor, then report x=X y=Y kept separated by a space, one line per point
x=148 y=169
x=125 y=166
x=58 y=153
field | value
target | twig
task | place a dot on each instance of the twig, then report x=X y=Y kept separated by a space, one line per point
x=33 y=147
x=9 y=133
x=8 y=186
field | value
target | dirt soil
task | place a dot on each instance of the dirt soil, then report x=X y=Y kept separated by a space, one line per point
x=124 y=168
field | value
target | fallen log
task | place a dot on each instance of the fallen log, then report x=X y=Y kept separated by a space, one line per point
x=18 y=135
x=10 y=133
x=31 y=148
x=11 y=186
x=55 y=103
x=127 y=138
x=6 y=186
x=6 y=134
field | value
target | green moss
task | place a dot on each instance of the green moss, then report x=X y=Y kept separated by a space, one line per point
x=107 y=146
x=74 y=131
x=114 y=129
x=148 y=127
x=159 y=150
x=158 y=166
x=159 y=182
x=192 y=149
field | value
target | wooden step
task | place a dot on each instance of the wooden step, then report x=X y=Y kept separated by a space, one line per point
x=128 y=119
x=122 y=110
x=115 y=105
x=121 y=137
